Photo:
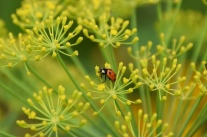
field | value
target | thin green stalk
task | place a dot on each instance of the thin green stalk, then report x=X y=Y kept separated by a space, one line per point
x=105 y=56
x=12 y=92
x=39 y=77
x=185 y=109
x=159 y=110
x=170 y=27
x=3 y=134
x=110 y=51
x=77 y=62
x=109 y=56
x=159 y=13
x=119 y=108
x=146 y=100
x=70 y=133
x=176 y=118
x=16 y=81
x=201 y=38
x=146 y=103
x=186 y=122
x=198 y=122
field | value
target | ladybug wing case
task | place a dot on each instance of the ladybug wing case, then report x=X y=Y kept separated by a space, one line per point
x=111 y=75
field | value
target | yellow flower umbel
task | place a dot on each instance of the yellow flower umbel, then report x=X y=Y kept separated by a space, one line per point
x=146 y=126
x=171 y=52
x=14 y=51
x=145 y=52
x=115 y=92
x=33 y=11
x=176 y=49
x=49 y=114
x=53 y=35
x=109 y=31
x=162 y=77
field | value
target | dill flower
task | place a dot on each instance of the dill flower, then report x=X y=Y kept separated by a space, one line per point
x=13 y=51
x=32 y=11
x=176 y=49
x=109 y=31
x=49 y=114
x=146 y=126
x=115 y=92
x=145 y=51
x=162 y=77
x=54 y=35
x=173 y=51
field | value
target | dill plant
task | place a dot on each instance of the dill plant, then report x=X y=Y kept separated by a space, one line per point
x=160 y=87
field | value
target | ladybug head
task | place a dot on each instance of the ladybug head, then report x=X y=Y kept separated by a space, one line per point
x=103 y=70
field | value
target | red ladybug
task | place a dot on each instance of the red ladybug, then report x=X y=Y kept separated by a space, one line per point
x=108 y=73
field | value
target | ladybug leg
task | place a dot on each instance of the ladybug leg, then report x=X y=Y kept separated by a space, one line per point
x=104 y=79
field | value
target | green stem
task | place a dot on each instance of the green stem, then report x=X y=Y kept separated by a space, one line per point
x=3 y=134
x=146 y=100
x=170 y=27
x=159 y=13
x=198 y=122
x=16 y=81
x=70 y=133
x=109 y=56
x=74 y=80
x=178 y=112
x=112 y=57
x=159 y=110
x=201 y=38
x=77 y=62
x=12 y=92
x=38 y=76
x=189 y=116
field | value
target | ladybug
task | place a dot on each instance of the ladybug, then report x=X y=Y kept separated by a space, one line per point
x=108 y=73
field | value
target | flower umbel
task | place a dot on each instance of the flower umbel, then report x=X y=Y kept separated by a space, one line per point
x=146 y=126
x=161 y=77
x=33 y=11
x=177 y=47
x=145 y=52
x=116 y=92
x=52 y=36
x=14 y=51
x=53 y=114
x=109 y=31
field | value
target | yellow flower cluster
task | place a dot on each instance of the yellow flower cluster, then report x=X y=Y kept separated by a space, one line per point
x=115 y=92
x=48 y=113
